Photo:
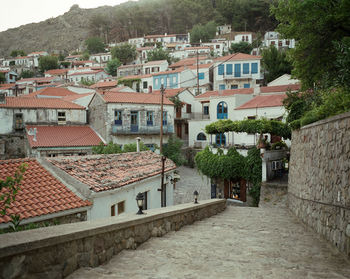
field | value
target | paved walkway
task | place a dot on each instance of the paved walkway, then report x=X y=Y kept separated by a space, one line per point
x=190 y=181
x=241 y=242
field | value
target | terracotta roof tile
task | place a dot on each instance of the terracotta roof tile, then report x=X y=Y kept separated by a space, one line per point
x=50 y=91
x=60 y=136
x=227 y=92
x=55 y=103
x=57 y=72
x=36 y=79
x=103 y=84
x=261 y=101
x=92 y=72
x=106 y=172
x=134 y=98
x=279 y=88
x=238 y=56
x=32 y=178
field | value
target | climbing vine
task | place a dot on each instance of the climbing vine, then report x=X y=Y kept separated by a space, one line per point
x=250 y=126
x=128 y=82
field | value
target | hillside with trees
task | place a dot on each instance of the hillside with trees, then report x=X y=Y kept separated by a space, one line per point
x=69 y=31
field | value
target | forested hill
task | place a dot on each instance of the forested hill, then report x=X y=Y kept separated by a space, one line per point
x=132 y=19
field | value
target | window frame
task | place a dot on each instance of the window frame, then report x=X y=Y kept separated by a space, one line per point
x=118 y=117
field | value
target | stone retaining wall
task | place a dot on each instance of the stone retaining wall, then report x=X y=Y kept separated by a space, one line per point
x=319 y=178
x=55 y=252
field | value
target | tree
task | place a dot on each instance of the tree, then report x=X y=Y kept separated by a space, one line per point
x=18 y=52
x=112 y=66
x=242 y=47
x=95 y=45
x=85 y=56
x=111 y=148
x=48 y=63
x=9 y=188
x=275 y=63
x=158 y=54
x=318 y=27
x=2 y=78
x=126 y=53
x=203 y=33
x=27 y=74
x=131 y=147
x=172 y=150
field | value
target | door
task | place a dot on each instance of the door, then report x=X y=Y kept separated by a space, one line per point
x=179 y=130
x=213 y=191
x=178 y=112
x=134 y=127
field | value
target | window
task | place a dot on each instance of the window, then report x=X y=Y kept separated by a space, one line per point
x=113 y=210
x=201 y=136
x=229 y=69
x=254 y=68
x=162 y=81
x=287 y=42
x=165 y=122
x=234 y=86
x=145 y=85
x=149 y=118
x=188 y=108
x=174 y=79
x=280 y=43
x=237 y=70
x=200 y=75
x=221 y=86
x=118 y=118
x=273 y=43
x=186 y=128
x=18 y=121
x=220 y=139
x=121 y=207
x=221 y=70
x=245 y=68
x=251 y=117
x=222 y=110
x=206 y=110
x=246 y=85
x=168 y=81
x=217 y=46
x=61 y=116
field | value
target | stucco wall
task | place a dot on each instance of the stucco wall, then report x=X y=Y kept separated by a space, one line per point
x=55 y=252
x=319 y=178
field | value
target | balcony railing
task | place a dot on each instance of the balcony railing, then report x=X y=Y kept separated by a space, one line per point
x=146 y=130
x=199 y=116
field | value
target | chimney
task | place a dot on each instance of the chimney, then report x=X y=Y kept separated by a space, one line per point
x=138 y=144
x=2 y=98
x=256 y=90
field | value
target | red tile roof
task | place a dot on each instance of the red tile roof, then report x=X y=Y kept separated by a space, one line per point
x=136 y=76
x=130 y=66
x=262 y=101
x=157 y=62
x=279 y=88
x=106 y=172
x=104 y=84
x=238 y=56
x=134 y=98
x=40 y=193
x=6 y=86
x=71 y=98
x=178 y=70
x=194 y=48
x=63 y=136
x=227 y=92
x=187 y=62
x=51 y=91
x=55 y=103
x=92 y=72
x=57 y=72
x=200 y=66
x=37 y=79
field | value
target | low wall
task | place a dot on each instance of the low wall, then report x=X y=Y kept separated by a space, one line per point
x=55 y=252
x=319 y=179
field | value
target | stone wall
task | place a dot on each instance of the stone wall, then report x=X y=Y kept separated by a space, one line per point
x=319 y=178
x=12 y=146
x=55 y=252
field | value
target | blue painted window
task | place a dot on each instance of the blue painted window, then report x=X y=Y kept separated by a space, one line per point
x=149 y=118
x=221 y=86
x=200 y=75
x=254 y=68
x=221 y=69
x=220 y=139
x=234 y=86
x=118 y=118
x=222 y=110
x=246 y=85
x=229 y=69
x=245 y=68
x=165 y=122
x=237 y=70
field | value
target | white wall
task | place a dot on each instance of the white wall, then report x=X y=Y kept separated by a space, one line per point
x=102 y=202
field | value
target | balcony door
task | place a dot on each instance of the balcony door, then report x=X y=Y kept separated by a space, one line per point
x=134 y=124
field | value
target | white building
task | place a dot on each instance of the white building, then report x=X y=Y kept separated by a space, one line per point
x=274 y=38
x=236 y=71
x=89 y=75
x=153 y=67
x=112 y=182
x=283 y=80
x=218 y=48
x=101 y=58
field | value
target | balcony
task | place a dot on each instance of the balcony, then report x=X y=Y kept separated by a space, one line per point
x=137 y=130
x=199 y=116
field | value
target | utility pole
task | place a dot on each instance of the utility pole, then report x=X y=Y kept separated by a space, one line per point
x=162 y=192
x=197 y=74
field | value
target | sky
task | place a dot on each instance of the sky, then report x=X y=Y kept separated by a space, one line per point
x=15 y=13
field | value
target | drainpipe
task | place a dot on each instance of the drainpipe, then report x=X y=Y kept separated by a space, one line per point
x=138 y=144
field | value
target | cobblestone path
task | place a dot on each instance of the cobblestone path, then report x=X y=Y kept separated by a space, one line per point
x=190 y=181
x=241 y=242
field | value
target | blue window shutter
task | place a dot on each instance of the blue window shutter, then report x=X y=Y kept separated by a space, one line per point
x=221 y=69
x=234 y=86
x=245 y=68
x=254 y=68
x=200 y=75
x=246 y=85
x=222 y=87
x=228 y=69
x=237 y=70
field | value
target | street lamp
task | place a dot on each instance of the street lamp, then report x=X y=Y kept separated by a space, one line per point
x=196 y=194
x=140 y=200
